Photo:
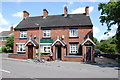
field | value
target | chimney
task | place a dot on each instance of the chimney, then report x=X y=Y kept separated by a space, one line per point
x=65 y=11
x=87 y=10
x=11 y=29
x=45 y=13
x=25 y=14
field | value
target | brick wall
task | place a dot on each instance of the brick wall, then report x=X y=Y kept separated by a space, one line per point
x=2 y=43
x=55 y=32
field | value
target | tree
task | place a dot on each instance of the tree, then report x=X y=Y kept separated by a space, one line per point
x=106 y=46
x=95 y=40
x=110 y=15
x=9 y=43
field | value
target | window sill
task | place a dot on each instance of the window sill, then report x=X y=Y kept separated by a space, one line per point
x=73 y=56
x=22 y=38
x=21 y=51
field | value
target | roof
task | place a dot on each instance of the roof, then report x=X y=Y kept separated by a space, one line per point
x=4 y=33
x=55 y=21
x=88 y=39
x=58 y=40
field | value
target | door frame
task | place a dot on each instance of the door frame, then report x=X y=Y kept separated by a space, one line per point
x=57 y=53
x=85 y=52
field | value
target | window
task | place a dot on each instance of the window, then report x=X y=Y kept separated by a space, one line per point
x=73 y=48
x=20 y=47
x=46 y=33
x=73 y=32
x=3 y=39
x=1 y=46
x=23 y=34
x=46 y=49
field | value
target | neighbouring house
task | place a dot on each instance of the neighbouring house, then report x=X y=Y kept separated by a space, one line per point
x=66 y=37
x=4 y=35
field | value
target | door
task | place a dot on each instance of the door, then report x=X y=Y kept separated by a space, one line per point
x=88 y=53
x=30 y=52
x=58 y=53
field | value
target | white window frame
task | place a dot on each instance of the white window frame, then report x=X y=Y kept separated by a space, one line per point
x=73 y=32
x=3 y=38
x=23 y=34
x=23 y=47
x=48 y=50
x=47 y=32
x=73 y=48
x=42 y=45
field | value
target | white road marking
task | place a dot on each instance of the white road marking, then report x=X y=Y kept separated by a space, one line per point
x=5 y=71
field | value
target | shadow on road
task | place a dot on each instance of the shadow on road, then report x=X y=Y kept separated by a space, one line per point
x=105 y=62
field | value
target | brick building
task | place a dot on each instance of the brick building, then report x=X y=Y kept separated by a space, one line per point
x=4 y=35
x=66 y=37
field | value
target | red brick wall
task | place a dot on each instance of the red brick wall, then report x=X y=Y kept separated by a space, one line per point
x=17 y=56
x=75 y=59
x=55 y=32
x=2 y=43
x=18 y=40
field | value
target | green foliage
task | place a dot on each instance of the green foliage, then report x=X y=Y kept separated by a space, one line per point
x=118 y=40
x=95 y=40
x=3 y=49
x=117 y=60
x=110 y=15
x=9 y=43
x=107 y=46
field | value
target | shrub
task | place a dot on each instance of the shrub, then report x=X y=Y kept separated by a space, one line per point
x=117 y=60
x=3 y=49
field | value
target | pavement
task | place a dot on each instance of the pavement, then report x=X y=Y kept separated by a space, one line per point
x=19 y=68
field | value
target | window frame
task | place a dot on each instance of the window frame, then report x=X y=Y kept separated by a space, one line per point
x=3 y=38
x=18 y=47
x=45 y=32
x=47 y=49
x=22 y=33
x=73 y=33
x=73 y=48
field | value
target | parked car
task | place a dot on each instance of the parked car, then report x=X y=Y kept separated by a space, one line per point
x=97 y=53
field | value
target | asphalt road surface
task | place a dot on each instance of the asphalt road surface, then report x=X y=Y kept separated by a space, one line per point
x=57 y=69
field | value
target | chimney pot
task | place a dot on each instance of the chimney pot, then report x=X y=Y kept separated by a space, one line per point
x=25 y=14
x=87 y=10
x=45 y=13
x=65 y=11
x=11 y=29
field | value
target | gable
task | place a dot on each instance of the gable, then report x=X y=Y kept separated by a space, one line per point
x=88 y=41
x=59 y=42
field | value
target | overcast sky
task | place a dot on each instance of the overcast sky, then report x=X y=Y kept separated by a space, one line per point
x=11 y=13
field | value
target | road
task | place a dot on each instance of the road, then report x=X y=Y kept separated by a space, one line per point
x=56 y=69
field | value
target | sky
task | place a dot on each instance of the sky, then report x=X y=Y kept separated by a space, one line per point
x=11 y=13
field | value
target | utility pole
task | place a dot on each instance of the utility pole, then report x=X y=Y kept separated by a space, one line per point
x=39 y=55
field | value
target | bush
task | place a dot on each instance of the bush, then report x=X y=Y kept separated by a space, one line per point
x=3 y=49
x=117 y=60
